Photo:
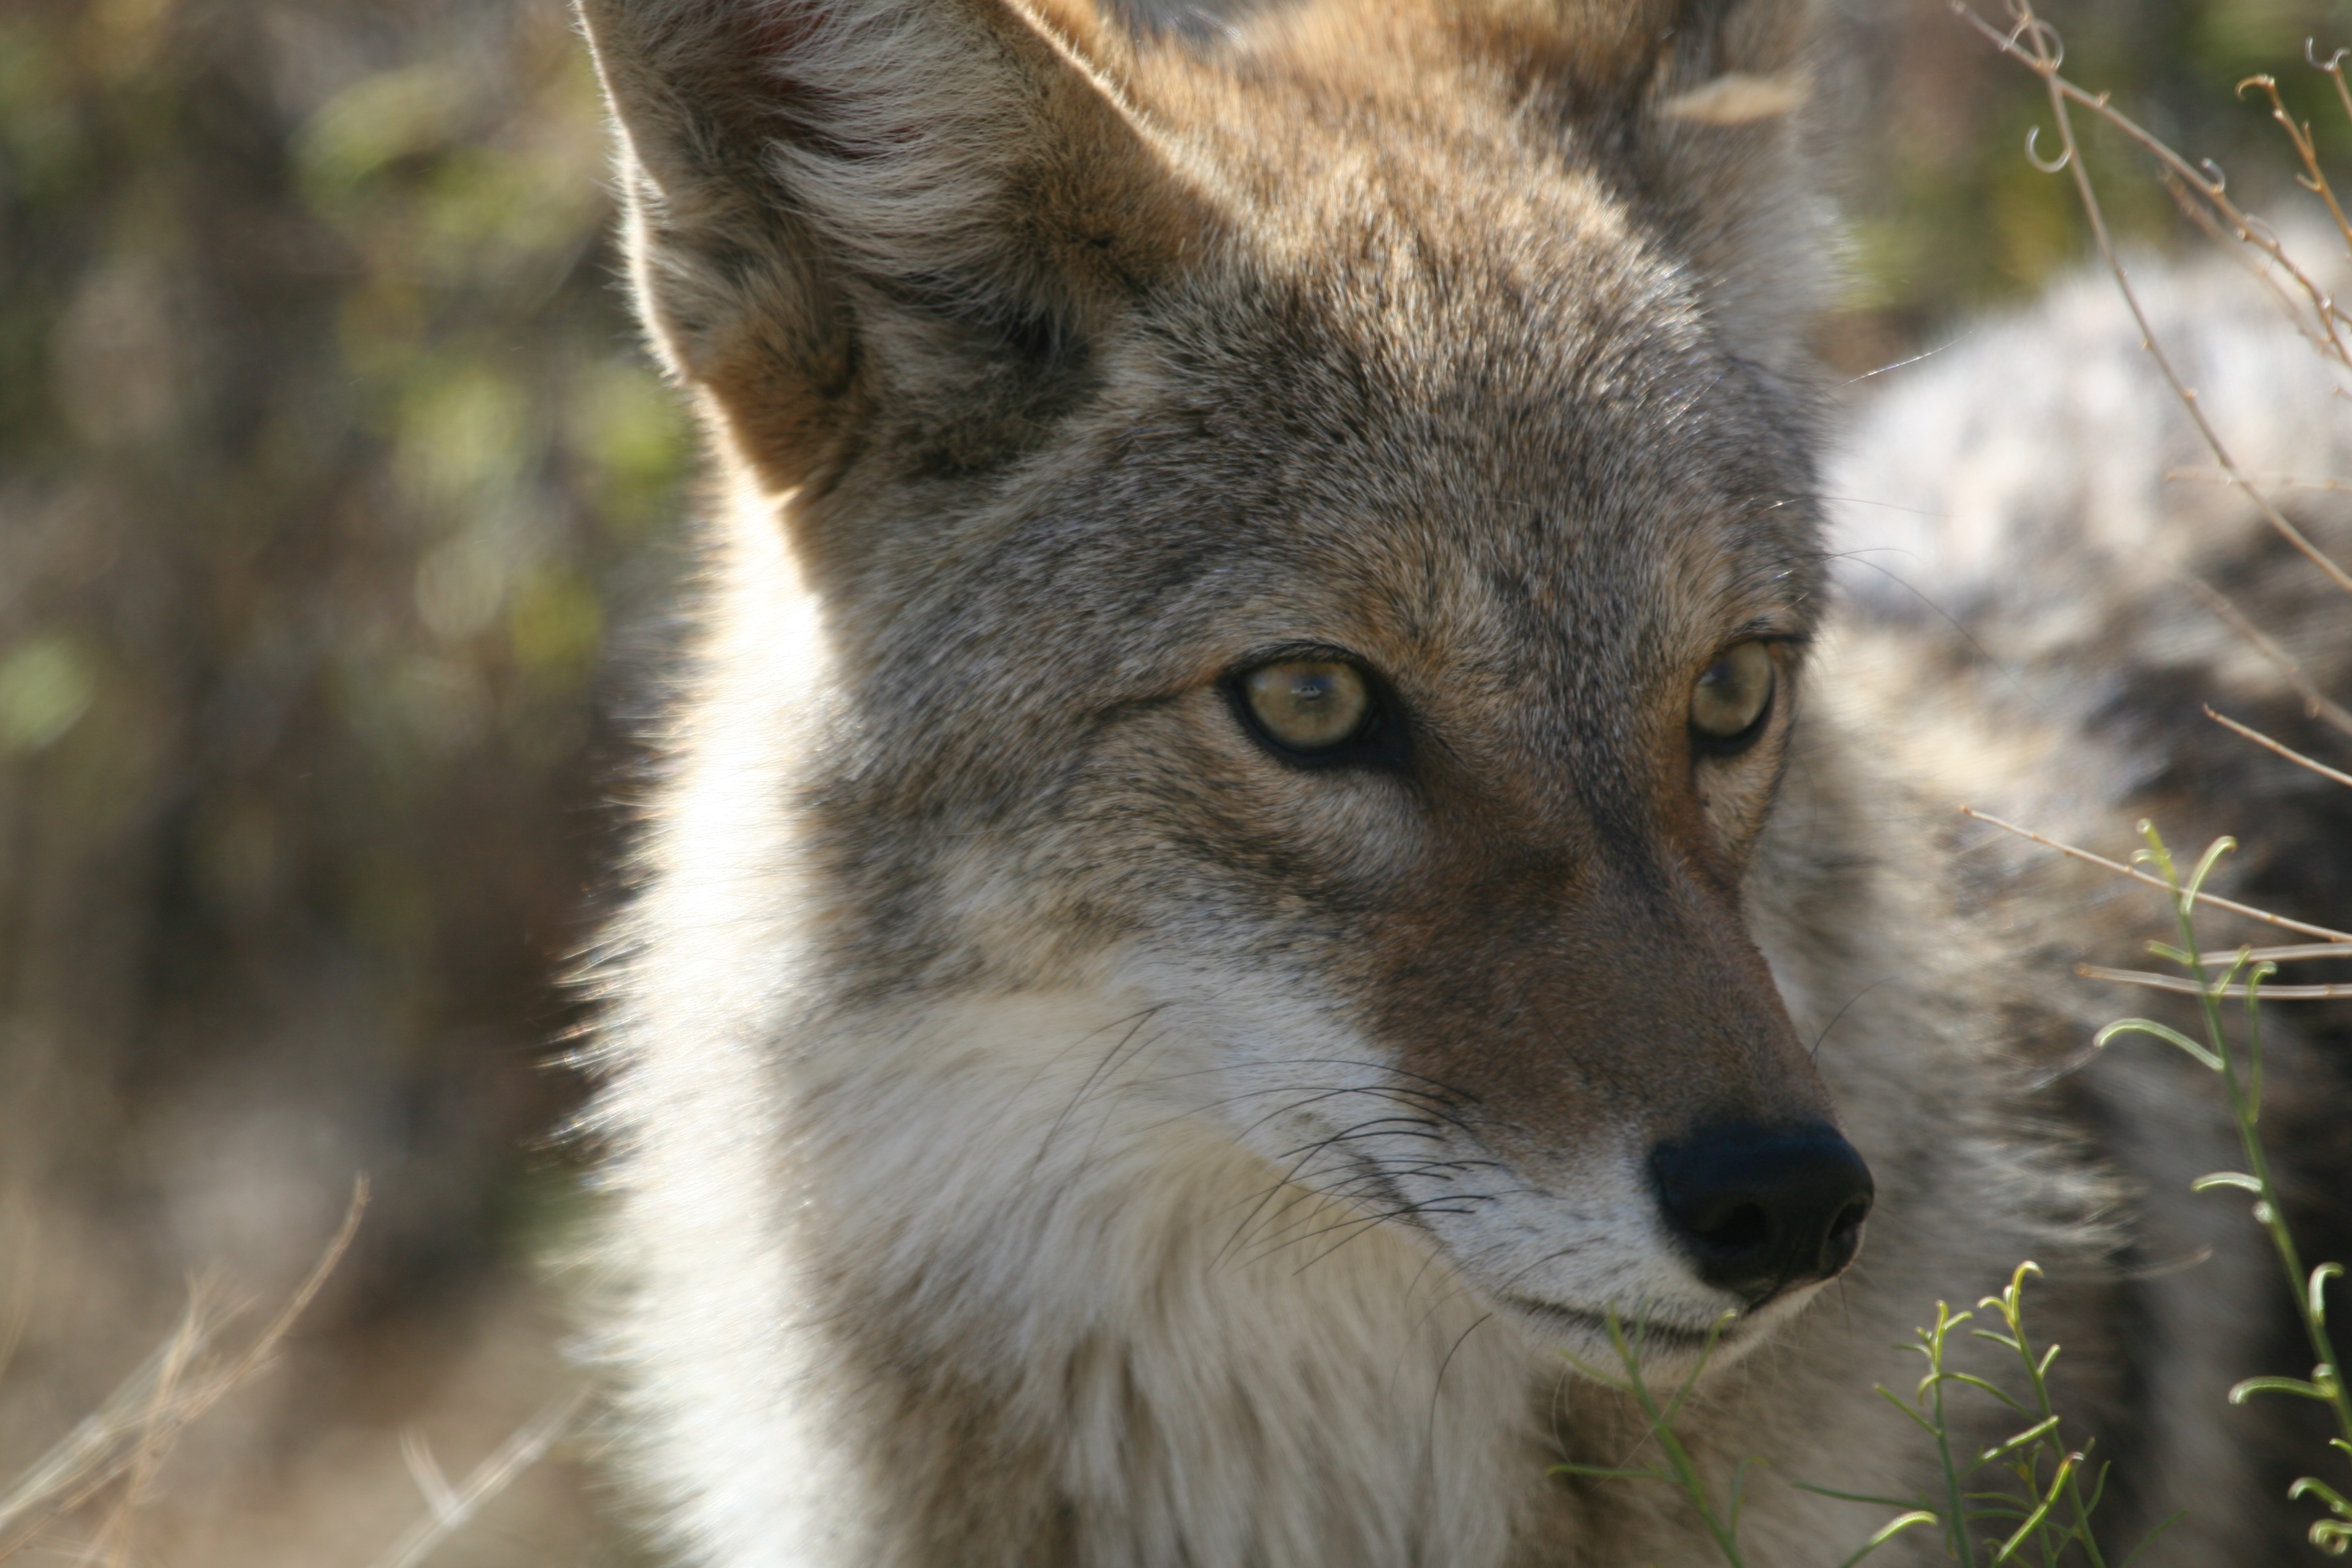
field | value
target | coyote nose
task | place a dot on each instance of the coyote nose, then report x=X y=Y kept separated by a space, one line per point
x=1758 y=1208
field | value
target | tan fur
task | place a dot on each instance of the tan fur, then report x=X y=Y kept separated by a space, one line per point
x=1050 y=1127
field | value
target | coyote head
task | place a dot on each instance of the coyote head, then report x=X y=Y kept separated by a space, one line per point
x=1310 y=528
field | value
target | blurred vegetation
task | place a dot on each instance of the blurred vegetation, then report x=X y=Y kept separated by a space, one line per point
x=336 y=506
x=328 y=464
x=1947 y=215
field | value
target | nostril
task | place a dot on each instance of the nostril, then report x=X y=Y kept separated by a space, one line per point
x=1845 y=1238
x=1757 y=1209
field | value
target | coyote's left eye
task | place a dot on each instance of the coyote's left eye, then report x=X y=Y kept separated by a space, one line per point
x=1733 y=694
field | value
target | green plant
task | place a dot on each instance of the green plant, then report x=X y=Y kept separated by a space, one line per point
x=2240 y=975
x=2049 y=1512
x=2041 y=1519
x=2046 y=1513
x=1676 y=1468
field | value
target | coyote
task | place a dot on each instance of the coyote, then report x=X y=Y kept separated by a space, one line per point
x=1263 y=834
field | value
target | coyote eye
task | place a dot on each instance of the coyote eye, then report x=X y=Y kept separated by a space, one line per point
x=1308 y=705
x=1733 y=694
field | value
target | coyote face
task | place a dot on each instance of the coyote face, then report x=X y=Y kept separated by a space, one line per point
x=1411 y=762
x=1344 y=594
x=1406 y=765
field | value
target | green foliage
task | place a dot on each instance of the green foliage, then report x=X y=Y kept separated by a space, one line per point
x=2239 y=1065
x=2043 y=1516
x=46 y=684
x=1947 y=219
x=2046 y=1516
x=328 y=465
x=329 y=458
x=1677 y=1468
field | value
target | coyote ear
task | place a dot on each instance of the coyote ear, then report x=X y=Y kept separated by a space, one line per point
x=841 y=209
x=1705 y=100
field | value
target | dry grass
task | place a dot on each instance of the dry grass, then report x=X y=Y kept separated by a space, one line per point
x=106 y=1463
x=87 y=1498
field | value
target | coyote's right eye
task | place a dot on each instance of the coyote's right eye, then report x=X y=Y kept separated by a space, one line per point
x=1307 y=706
x=1732 y=695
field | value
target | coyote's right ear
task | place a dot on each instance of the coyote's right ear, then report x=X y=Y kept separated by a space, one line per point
x=1698 y=101
x=841 y=209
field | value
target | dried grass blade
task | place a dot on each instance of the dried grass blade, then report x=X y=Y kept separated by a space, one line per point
x=133 y=1431
x=93 y=1452
x=2191 y=987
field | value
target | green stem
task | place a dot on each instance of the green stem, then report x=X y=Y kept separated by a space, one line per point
x=2069 y=1468
x=2246 y=1111
x=1956 y=1511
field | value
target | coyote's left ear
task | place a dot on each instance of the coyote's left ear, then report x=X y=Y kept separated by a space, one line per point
x=859 y=226
x=1700 y=105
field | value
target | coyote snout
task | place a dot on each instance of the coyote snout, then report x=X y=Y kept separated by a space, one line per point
x=1631 y=1124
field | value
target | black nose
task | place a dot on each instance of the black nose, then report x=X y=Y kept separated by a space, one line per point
x=1758 y=1209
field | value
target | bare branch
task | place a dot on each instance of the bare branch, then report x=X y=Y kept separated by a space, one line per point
x=2259 y=738
x=2315 y=702
x=2139 y=875
x=2313 y=178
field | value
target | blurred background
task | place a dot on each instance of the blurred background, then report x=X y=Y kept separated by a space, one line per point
x=341 y=517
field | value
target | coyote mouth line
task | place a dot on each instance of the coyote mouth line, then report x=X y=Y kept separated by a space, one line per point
x=1638 y=1332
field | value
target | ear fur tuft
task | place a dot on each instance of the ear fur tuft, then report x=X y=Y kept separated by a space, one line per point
x=836 y=206
x=1737 y=97
x=1696 y=101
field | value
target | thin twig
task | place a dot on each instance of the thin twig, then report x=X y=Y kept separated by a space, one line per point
x=2277 y=955
x=2275 y=481
x=2334 y=68
x=2177 y=983
x=449 y=1510
x=2314 y=178
x=2315 y=702
x=2292 y=755
x=2321 y=338
x=2139 y=875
